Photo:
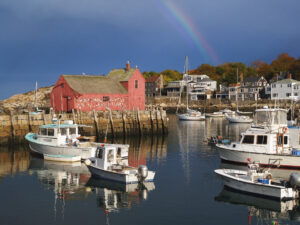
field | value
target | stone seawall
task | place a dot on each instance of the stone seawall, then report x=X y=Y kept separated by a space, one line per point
x=13 y=128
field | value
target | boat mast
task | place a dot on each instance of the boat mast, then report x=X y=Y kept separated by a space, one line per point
x=237 y=88
x=35 y=102
x=185 y=76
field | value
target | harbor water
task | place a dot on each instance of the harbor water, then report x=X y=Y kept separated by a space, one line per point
x=185 y=190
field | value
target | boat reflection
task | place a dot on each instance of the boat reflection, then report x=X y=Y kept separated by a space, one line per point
x=67 y=180
x=112 y=196
x=276 y=173
x=261 y=208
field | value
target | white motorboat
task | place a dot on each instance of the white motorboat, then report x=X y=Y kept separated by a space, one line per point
x=268 y=141
x=258 y=183
x=191 y=115
x=235 y=118
x=108 y=165
x=63 y=142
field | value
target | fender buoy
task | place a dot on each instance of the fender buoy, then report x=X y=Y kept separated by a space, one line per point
x=284 y=129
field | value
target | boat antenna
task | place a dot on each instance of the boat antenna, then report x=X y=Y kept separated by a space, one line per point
x=35 y=103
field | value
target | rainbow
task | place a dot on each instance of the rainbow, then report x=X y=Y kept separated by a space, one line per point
x=190 y=29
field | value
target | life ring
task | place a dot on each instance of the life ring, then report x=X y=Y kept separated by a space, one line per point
x=284 y=130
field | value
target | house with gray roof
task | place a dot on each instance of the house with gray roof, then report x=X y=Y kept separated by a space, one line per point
x=285 y=89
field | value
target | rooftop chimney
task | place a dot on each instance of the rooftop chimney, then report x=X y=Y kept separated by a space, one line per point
x=242 y=77
x=127 y=66
x=289 y=76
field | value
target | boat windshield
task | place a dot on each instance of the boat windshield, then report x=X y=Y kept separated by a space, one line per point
x=271 y=117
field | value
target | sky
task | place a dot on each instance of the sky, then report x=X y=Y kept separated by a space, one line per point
x=42 y=39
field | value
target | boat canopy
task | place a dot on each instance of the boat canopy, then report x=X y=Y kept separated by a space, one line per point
x=271 y=117
x=63 y=126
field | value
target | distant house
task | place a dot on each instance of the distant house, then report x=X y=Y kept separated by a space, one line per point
x=251 y=87
x=223 y=91
x=174 y=87
x=154 y=85
x=285 y=89
x=200 y=86
x=121 y=89
x=234 y=91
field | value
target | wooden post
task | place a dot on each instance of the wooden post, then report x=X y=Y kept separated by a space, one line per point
x=29 y=124
x=124 y=123
x=139 y=121
x=111 y=124
x=73 y=113
x=13 y=133
x=162 y=121
x=43 y=115
x=151 y=121
x=96 y=123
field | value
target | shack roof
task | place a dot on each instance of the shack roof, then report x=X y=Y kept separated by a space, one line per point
x=87 y=84
x=121 y=74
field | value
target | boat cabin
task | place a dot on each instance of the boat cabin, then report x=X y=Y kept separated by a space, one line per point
x=270 y=117
x=110 y=156
x=65 y=133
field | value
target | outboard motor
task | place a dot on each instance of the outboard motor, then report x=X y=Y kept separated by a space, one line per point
x=142 y=173
x=295 y=180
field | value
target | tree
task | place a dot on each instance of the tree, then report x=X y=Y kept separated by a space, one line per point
x=282 y=63
x=171 y=75
x=295 y=69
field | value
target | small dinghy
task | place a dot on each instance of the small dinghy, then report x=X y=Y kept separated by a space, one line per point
x=259 y=183
x=108 y=165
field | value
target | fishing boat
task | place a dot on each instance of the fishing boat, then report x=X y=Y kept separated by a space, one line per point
x=108 y=165
x=259 y=183
x=190 y=114
x=268 y=141
x=236 y=118
x=62 y=142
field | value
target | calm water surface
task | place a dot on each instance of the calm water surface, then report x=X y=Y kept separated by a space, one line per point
x=185 y=191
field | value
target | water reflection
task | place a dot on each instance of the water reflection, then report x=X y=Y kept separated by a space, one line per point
x=112 y=196
x=262 y=209
x=13 y=160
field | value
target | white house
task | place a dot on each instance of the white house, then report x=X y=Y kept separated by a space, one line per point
x=285 y=89
x=200 y=86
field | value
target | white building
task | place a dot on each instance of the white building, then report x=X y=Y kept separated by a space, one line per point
x=201 y=86
x=285 y=89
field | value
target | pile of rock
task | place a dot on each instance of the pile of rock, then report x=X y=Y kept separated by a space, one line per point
x=26 y=101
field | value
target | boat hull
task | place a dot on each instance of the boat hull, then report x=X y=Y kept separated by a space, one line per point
x=258 y=189
x=190 y=117
x=118 y=177
x=43 y=149
x=238 y=120
x=265 y=160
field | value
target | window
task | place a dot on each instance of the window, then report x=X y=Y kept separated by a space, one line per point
x=273 y=85
x=99 y=153
x=50 y=132
x=285 y=140
x=72 y=131
x=248 y=139
x=105 y=98
x=289 y=85
x=63 y=131
x=275 y=95
x=43 y=131
x=262 y=140
x=296 y=94
x=288 y=94
x=136 y=84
